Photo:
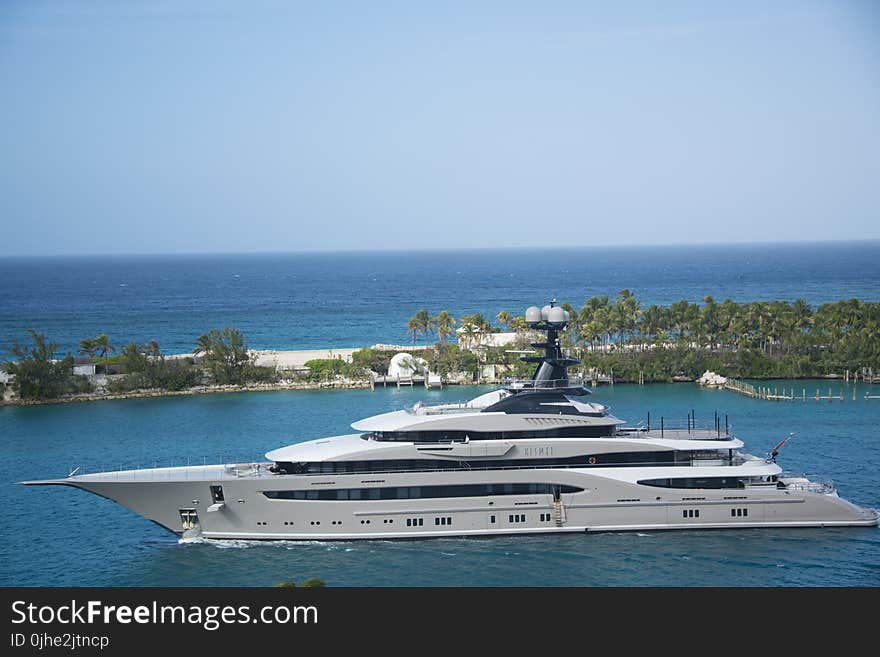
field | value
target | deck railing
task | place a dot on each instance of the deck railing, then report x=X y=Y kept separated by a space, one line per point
x=550 y=384
x=800 y=482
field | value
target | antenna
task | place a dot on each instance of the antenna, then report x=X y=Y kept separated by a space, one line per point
x=553 y=364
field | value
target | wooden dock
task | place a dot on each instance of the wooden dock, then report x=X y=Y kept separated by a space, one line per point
x=384 y=381
x=595 y=377
x=789 y=394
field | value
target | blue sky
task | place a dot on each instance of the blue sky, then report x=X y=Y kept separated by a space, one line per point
x=153 y=127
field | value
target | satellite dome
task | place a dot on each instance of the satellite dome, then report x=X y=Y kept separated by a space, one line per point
x=557 y=315
x=545 y=312
x=533 y=315
x=404 y=364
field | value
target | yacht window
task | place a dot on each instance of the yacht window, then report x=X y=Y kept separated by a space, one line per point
x=421 y=492
x=437 y=436
x=694 y=482
x=217 y=494
x=612 y=459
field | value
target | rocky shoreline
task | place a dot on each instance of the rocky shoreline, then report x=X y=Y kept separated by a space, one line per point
x=198 y=390
x=339 y=384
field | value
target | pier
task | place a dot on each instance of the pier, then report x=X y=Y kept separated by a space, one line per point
x=429 y=380
x=792 y=394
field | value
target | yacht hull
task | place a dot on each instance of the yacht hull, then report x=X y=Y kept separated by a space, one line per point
x=183 y=503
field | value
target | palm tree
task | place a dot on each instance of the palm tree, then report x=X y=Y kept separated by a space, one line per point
x=152 y=349
x=412 y=325
x=652 y=322
x=443 y=322
x=802 y=315
x=204 y=344
x=420 y=324
x=425 y=322
x=626 y=313
x=678 y=318
x=709 y=319
x=103 y=346
x=758 y=315
x=87 y=347
x=475 y=327
x=502 y=318
x=592 y=319
x=469 y=334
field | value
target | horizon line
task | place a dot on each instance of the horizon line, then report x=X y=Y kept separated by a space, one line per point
x=398 y=250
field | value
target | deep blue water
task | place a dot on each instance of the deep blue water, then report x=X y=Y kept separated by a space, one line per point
x=61 y=536
x=342 y=300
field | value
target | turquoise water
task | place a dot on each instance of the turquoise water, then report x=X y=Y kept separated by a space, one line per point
x=61 y=536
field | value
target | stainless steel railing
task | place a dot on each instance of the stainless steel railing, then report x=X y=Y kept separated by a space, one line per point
x=550 y=384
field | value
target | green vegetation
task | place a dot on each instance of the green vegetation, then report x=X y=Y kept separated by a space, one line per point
x=421 y=324
x=99 y=346
x=326 y=369
x=362 y=362
x=444 y=323
x=756 y=340
x=226 y=358
x=38 y=375
x=313 y=583
x=147 y=368
x=445 y=359
x=310 y=583
x=762 y=339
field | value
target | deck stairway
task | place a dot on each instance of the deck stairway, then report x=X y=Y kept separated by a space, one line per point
x=558 y=512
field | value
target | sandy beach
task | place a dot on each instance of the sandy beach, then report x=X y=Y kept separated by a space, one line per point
x=296 y=359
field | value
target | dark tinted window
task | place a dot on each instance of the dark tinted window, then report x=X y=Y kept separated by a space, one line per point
x=615 y=459
x=694 y=482
x=459 y=436
x=455 y=490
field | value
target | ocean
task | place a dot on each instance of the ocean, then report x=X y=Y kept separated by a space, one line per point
x=312 y=301
x=59 y=536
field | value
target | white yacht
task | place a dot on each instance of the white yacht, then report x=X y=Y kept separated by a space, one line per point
x=534 y=456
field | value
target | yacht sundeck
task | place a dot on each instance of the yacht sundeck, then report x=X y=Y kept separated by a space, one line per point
x=533 y=456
